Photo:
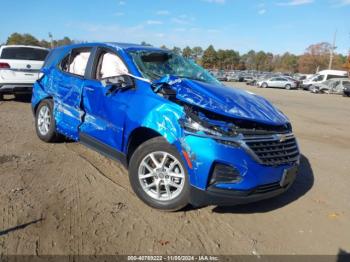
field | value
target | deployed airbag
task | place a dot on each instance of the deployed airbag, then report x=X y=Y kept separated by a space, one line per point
x=112 y=65
x=79 y=63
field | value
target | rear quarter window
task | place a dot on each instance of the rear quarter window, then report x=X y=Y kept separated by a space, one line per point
x=335 y=76
x=23 y=53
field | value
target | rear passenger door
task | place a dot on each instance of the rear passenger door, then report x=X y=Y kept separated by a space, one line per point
x=68 y=86
x=282 y=82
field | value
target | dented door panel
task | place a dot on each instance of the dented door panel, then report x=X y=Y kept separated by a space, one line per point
x=104 y=114
x=67 y=103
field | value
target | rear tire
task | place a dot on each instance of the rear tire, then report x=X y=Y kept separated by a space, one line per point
x=1 y=97
x=45 y=124
x=164 y=187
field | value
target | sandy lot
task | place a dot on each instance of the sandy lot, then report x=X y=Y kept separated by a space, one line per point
x=66 y=199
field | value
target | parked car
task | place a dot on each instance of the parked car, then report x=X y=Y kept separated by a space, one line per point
x=156 y=112
x=19 y=68
x=248 y=79
x=220 y=76
x=297 y=82
x=280 y=82
x=323 y=76
x=234 y=78
x=332 y=86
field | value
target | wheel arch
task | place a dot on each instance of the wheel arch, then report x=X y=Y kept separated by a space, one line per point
x=137 y=137
x=35 y=107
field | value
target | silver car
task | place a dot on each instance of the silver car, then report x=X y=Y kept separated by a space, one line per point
x=279 y=82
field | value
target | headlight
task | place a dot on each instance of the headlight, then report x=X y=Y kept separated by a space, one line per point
x=194 y=127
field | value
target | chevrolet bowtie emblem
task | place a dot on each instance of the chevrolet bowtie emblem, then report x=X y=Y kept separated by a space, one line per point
x=282 y=138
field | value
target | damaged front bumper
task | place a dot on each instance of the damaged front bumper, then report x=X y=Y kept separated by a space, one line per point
x=246 y=174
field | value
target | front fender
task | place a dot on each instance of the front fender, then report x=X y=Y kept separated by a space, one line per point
x=164 y=119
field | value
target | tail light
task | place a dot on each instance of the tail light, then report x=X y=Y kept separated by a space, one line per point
x=4 y=66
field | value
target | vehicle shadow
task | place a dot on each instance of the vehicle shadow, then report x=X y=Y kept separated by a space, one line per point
x=343 y=256
x=18 y=98
x=301 y=186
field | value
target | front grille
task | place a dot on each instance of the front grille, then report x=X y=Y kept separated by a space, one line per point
x=275 y=149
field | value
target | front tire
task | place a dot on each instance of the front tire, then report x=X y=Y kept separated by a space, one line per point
x=158 y=175
x=264 y=85
x=288 y=86
x=45 y=123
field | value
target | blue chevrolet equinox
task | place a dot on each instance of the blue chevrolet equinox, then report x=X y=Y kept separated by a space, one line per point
x=184 y=137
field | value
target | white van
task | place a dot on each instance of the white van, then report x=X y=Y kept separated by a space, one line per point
x=323 y=76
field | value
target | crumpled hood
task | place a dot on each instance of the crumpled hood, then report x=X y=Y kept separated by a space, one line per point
x=231 y=102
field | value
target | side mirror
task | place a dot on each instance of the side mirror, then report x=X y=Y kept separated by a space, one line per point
x=114 y=84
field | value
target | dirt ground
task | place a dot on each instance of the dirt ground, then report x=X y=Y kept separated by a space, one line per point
x=66 y=199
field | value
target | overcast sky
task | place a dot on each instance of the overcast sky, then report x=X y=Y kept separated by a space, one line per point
x=275 y=26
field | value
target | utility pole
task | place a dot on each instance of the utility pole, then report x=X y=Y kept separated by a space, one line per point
x=51 y=40
x=331 y=55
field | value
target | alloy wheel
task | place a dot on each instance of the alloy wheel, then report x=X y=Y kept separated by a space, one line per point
x=161 y=176
x=44 y=120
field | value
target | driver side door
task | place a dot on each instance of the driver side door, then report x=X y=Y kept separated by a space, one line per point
x=103 y=121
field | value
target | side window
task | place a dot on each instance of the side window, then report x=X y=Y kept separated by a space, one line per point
x=332 y=76
x=64 y=65
x=76 y=61
x=318 y=78
x=110 y=65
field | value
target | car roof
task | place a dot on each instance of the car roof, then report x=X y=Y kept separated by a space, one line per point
x=29 y=46
x=116 y=45
x=329 y=71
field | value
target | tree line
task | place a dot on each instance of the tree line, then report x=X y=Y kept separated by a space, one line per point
x=28 y=39
x=316 y=56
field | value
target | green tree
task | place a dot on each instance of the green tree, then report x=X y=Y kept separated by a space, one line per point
x=22 y=39
x=177 y=50
x=220 y=59
x=209 y=59
x=231 y=60
x=260 y=60
x=187 y=52
x=249 y=60
x=286 y=63
x=45 y=43
x=197 y=52
x=65 y=41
